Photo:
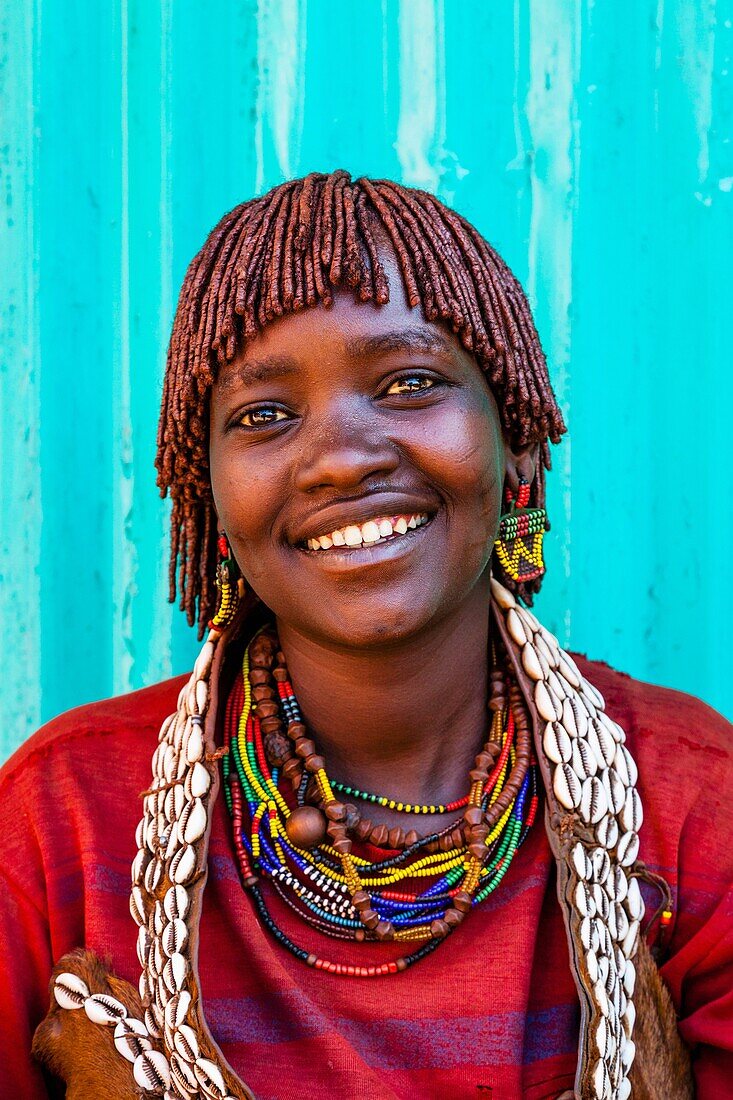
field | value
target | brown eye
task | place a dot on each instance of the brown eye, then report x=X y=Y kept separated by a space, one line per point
x=262 y=417
x=411 y=383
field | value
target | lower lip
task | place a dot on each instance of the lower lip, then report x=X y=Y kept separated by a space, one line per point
x=356 y=557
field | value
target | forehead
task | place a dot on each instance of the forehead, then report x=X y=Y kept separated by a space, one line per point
x=347 y=331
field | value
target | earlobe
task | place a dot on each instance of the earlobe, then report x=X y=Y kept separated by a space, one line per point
x=520 y=464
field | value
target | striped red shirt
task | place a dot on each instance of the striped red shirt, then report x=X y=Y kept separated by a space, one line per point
x=492 y=1014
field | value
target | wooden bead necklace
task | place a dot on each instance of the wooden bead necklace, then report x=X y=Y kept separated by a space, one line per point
x=291 y=829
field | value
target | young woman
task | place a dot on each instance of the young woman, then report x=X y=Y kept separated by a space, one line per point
x=418 y=820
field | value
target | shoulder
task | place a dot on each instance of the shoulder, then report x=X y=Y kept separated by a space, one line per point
x=660 y=720
x=87 y=731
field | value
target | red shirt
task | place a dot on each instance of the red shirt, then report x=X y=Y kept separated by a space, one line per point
x=492 y=1013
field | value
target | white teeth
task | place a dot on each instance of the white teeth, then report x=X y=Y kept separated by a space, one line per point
x=368 y=533
x=352 y=536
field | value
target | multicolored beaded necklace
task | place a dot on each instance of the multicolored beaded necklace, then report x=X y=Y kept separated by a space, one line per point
x=301 y=840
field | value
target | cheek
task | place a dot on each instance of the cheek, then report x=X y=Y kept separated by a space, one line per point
x=245 y=495
x=463 y=454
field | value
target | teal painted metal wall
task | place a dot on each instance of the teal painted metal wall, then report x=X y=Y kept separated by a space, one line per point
x=589 y=141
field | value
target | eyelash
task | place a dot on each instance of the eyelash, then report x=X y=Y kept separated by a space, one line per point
x=433 y=384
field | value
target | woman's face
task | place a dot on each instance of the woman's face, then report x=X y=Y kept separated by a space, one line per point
x=372 y=432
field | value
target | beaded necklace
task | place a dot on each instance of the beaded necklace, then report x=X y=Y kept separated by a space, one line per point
x=302 y=841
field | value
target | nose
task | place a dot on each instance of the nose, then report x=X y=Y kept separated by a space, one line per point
x=342 y=452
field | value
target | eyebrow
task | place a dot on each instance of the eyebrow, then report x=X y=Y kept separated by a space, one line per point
x=277 y=366
x=256 y=370
x=410 y=339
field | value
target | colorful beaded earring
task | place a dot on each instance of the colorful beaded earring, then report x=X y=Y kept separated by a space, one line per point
x=227 y=581
x=519 y=543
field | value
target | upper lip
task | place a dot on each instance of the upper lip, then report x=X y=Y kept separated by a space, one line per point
x=358 y=510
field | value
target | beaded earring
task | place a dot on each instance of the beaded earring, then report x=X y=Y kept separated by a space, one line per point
x=227 y=581
x=519 y=543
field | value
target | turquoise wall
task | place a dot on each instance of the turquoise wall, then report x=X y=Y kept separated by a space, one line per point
x=589 y=141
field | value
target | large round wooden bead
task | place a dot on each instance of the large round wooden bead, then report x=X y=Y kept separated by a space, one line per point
x=306 y=827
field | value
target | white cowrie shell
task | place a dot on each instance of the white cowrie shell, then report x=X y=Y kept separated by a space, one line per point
x=628 y=1053
x=629 y=979
x=601 y=744
x=530 y=621
x=531 y=662
x=199 y=781
x=183 y=865
x=151 y=1071
x=620 y=884
x=175 y=971
x=601 y=1081
x=186 y=1043
x=544 y=650
x=584 y=902
x=593 y=693
x=502 y=595
x=195 y=744
x=624 y=1089
x=193 y=821
x=632 y=814
x=183 y=1076
x=177 y=1009
x=601 y=1036
x=622 y=921
x=634 y=900
x=556 y=743
x=628 y=849
x=140 y=833
x=202 y=665
x=210 y=1077
x=202 y=696
x=175 y=903
x=153 y=875
x=586 y=933
x=630 y=943
x=131 y=1038
x=593 y=802
x=568 y=718
x=103 y=1009
x=151 y=1022
x=607 y=832
x=625 y=765
x=516 y=628
x=601 y=864
x=614 y=788
x=583 y=761
x=556 y=688
x=581 y=862
x=70 y=991
x=174 y=937
x=548 y=706
x=601 y=998
x=566 y=786
x=166 y=726
x=600 y=897
x=591 y=962
x=569 y=670
x=137 y=905
x=143 y=945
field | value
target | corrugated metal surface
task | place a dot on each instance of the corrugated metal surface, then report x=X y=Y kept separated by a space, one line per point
x=589 y=142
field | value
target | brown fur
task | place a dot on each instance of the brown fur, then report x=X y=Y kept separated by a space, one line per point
x=661 y=1067
x=80 y=1052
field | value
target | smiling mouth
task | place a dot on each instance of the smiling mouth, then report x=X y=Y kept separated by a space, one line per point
x=373 y=532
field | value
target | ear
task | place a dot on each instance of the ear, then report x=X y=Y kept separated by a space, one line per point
x=520 y=464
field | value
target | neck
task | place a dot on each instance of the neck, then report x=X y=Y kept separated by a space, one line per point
x=405 y=720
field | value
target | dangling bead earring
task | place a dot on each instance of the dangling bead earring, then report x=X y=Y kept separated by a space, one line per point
x=519 y=543
x=227 y=582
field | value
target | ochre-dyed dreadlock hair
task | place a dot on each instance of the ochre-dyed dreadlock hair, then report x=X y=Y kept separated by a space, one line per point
x=288 y=251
